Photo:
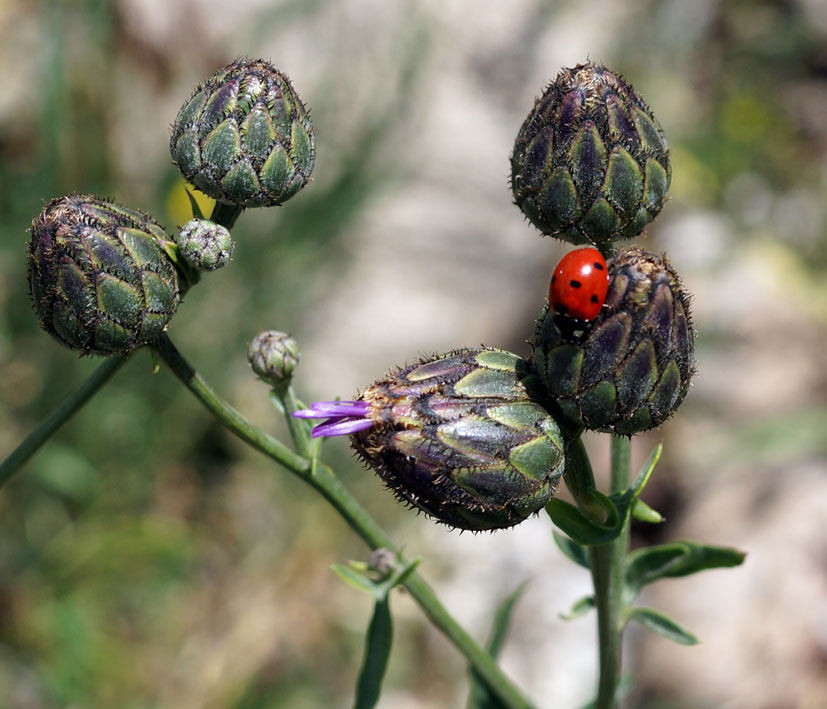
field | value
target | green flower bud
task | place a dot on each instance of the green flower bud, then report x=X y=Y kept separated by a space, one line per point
x=628 y=369
x=244 y=137
x=99 y=275
x=205 y=245
x=459 y=436
x=273 y=356
x=590 y=164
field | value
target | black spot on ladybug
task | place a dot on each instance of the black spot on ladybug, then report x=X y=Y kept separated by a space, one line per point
x=575 y=284
x=553 y=278
x=594 y=298
x=598 y=266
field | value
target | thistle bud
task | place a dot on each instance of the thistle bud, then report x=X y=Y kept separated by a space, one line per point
x=628 y=369
x=273 y=356
x=244 y=137
x=459 y=436
x=205 y=245
x=590 y=163
x=99 y=276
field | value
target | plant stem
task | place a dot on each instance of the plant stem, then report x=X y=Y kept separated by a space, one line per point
x=225 y=214
x=608 y=563
x=70 y=406
x=322 y=478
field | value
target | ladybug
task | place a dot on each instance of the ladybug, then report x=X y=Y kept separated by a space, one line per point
x=579 y=284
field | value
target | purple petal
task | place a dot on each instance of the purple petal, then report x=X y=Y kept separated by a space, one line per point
x=341 y=426
x=326 y=409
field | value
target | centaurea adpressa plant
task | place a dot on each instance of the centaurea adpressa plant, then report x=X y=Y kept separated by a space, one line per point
x=477 y=438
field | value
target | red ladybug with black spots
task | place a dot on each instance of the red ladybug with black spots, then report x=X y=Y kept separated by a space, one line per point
x=579 y=284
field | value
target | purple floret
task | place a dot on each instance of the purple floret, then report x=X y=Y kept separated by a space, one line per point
x=343 y=417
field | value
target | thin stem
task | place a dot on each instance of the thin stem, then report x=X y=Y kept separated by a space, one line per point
x=70 y=406
x=608 y=562
x=325 y=482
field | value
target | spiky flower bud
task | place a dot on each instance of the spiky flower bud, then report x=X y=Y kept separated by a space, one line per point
x=629 y=369
x=99 y=275
x=459 y=435
x=205 y=245
x=273 y=356
x=244 y=137
x=590 y=163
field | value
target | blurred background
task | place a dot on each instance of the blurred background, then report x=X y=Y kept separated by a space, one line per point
x=147 y=559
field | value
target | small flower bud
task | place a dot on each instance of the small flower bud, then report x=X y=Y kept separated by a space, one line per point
x=205 y=245
x=590 y=163
x=274 y=356
x=628 y=369
x=99 y=275
x=244 y=137
x=459 y=436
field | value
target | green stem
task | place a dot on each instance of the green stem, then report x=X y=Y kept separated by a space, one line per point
x=225 y=214
x=70 y=406
x=608 y=562
x=322 y=478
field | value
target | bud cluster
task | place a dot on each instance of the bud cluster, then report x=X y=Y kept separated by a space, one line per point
x=476 y=437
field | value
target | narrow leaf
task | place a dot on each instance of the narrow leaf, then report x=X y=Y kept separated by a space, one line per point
x=574 y=551
x=377 y=652
x=481 y=697
x=582 y=529
x=675 y=560
x=196 y=210
x=580 y=607
x=700 y=557
x=662 y=625
x=646 y=471
x=353 y=578
x=643 y=513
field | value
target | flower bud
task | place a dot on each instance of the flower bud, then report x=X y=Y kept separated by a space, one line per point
x=244 y=137
x=628 y=369
x=99 y=275
x=205 y=245
x=590 y=163
x=273 y=356
x=459 y=436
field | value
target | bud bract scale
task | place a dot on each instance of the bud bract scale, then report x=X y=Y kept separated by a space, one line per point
x=590 y=163
x=99 y=275
x=244 y=137
x=461 y=437
x=629 y=369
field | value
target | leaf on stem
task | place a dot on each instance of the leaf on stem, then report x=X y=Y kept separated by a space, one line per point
x=674 y=560
x=580 y=607
x=196 y=210
x=379 y=637
x=481 y=697
x=574 y=551
x=662 y=625
x=615 y=509
x=377 y=653
x=643 y=513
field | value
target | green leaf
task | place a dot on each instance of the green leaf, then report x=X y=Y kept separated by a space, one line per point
x=574 y=551
x=643 y=513
x=481 y=697
x=196 y=210
x=353 y=578
x=580 y=607
x=377 y=653
x=662 y=625
x=615 y=508
x=582 y=529
x=675 y=560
